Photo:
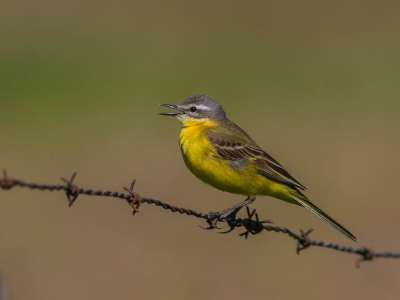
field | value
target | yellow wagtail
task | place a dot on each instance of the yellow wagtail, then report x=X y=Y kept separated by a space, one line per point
x=221 y=154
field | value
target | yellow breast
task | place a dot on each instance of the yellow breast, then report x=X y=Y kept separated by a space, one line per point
x=203 y=161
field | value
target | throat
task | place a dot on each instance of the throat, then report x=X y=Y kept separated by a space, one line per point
x=193 y=136
x=190 y=134
x=190 y=122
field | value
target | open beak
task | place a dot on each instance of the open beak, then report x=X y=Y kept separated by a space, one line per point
x=170 y=106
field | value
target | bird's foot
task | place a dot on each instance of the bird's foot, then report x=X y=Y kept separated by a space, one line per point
x=212 y=220
x=214 y=217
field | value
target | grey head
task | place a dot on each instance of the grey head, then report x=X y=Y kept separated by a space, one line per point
x=197 y=106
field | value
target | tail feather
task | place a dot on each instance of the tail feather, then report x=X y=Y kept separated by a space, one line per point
x=315 y=210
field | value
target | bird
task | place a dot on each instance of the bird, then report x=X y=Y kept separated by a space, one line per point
x=224 y=156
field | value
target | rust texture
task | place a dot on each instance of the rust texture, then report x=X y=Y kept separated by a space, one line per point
x=252 y=226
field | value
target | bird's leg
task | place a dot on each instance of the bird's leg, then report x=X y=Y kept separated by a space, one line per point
x=214 y=216
x=225 y=211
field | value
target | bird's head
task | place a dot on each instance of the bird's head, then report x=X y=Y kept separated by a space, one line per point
x=196 y=109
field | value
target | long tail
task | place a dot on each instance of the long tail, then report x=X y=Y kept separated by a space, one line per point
x=315 y=210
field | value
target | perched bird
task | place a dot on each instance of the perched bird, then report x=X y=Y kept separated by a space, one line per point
x=221 y=154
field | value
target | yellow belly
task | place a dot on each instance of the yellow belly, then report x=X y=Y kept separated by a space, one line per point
x=205 y=163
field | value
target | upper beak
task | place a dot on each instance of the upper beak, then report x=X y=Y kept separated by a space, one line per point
x=170 y=106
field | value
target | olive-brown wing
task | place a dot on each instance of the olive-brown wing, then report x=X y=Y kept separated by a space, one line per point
x=235 y=149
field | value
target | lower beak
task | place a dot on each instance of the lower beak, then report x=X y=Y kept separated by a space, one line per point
x=170 y=106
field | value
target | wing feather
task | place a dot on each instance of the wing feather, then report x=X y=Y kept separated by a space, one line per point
x=233 y=149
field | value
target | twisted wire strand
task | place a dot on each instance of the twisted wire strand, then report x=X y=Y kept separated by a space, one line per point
x=252 y=226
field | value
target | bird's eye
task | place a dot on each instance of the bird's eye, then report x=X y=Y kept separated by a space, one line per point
x=193 y=109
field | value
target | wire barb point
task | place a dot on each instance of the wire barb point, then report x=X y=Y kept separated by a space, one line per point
x=305 y=240
x=5 y=182
x=73 y=190
x=137 y=199
x=252 y=226
x=367 y=255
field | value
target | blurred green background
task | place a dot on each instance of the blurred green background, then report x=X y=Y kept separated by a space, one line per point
x=315 y=83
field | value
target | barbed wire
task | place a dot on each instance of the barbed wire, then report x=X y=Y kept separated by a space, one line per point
x=252 y=224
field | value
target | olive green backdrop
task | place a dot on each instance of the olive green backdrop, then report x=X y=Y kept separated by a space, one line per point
x=316 y=84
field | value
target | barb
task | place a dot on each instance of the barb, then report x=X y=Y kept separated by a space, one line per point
x=72 y=191
x=137 y=198
x=252 y=226
x=305 y=242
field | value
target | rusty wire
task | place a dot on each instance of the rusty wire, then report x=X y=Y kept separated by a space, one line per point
x=251 y=225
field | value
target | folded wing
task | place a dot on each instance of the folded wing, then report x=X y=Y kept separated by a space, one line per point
x=235 y=149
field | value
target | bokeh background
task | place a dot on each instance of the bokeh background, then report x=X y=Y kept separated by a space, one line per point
x=315 y=83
